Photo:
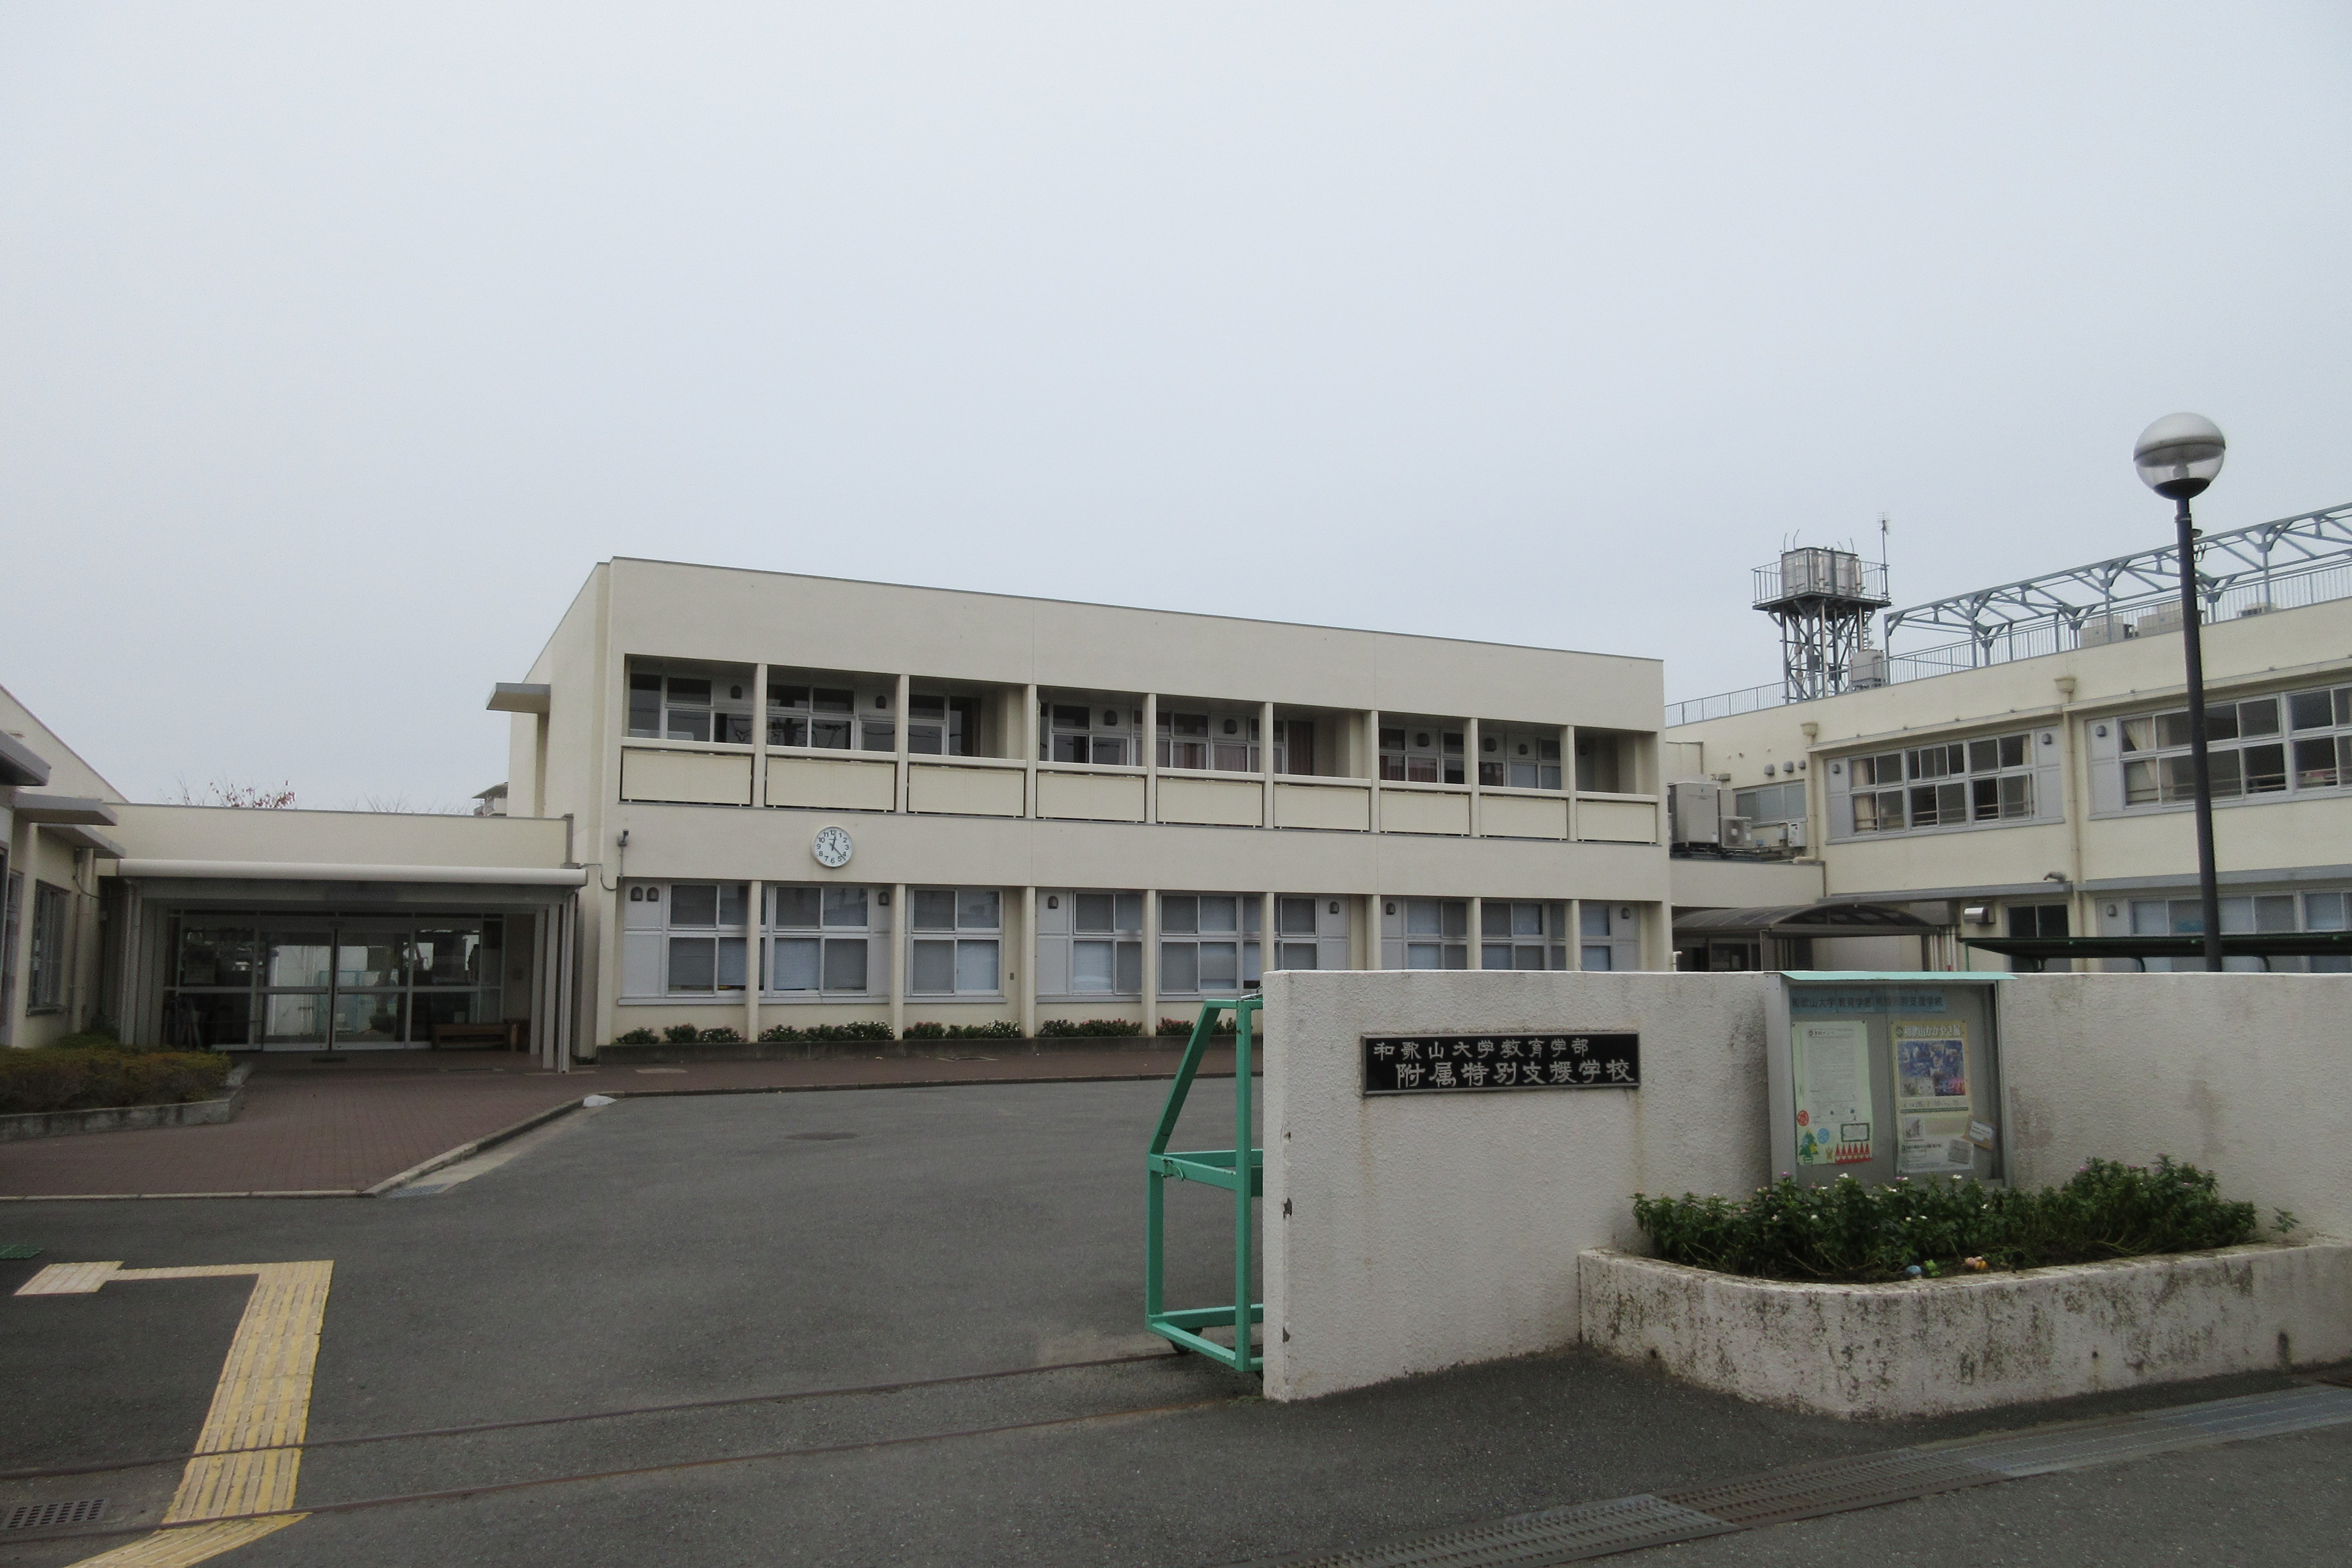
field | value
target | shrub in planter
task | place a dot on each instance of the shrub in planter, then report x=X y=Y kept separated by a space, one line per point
x=681 y=1034
x=1847 y=1231
x=89 y=1039
x=1001 y=1028
x=1088 y=1028
x=1224 y=1025
x=637 y=1037
x=924 y=1031
x=722 y=1035
x=80 y=1078
x=784 y=1033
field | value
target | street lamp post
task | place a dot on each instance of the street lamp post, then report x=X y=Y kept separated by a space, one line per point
x=2177 y=457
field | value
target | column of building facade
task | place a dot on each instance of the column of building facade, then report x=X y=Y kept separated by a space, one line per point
x=755 y=955
x=1266 y=942
x=898 y=794
x=1477 y=959
x=1150 y=962
x=1150 y=756
x=1029 y=963
x=1029 y=749
x=1265 y=806
x=1470 y=778
x=1373 y=767
x=901 y=936
x=759 y=734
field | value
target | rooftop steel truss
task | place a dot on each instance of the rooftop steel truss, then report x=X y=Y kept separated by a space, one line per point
x=2242 y=559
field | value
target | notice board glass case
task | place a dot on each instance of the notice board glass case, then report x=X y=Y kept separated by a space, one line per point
x=1879 y=1076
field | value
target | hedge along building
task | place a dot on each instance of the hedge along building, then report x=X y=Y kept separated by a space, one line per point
x=805 y=800
x=2033 y=781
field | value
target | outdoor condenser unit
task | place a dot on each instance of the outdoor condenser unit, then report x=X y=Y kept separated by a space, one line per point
x=1694 y=806
x=1735 y=833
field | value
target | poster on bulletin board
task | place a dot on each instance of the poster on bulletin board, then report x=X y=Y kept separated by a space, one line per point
x=1833 y=1074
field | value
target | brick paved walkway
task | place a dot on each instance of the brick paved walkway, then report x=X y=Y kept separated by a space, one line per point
x=307 y=1128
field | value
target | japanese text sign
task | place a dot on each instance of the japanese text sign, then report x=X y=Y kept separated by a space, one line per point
x=1452 y=1063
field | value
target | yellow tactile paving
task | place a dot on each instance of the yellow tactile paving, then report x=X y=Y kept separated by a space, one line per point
x=68 y=1279
x=249 y=1454
x=183 y=1547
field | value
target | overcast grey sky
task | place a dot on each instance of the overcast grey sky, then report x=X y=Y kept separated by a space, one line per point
x=337 y=342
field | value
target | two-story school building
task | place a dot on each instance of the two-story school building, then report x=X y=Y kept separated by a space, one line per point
x=2043 y=789
x=802 y=801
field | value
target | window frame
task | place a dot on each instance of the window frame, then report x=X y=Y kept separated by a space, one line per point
x=44 y=959
x=2153 y=756
x=872 y=932
x=724 y=719
x=1244 y=937
x=988 y=938
x=1973 y=783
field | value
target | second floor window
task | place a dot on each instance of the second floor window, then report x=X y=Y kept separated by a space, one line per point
x=1950 y=784
x=1421 y=754
x=1089 y=732
x=669 y=704
x=2285 y=744
x=1518 y=759
x=826 y=717
x=1224 y=742
x=941 y=725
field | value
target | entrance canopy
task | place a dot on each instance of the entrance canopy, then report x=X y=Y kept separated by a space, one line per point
x=1797 y=920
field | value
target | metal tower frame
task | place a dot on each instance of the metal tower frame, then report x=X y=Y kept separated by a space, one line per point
x=1823 y=611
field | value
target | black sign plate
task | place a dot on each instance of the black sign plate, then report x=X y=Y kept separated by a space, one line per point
x=1486 y=1063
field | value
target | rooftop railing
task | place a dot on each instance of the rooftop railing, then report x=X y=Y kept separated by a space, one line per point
x=2283 y=565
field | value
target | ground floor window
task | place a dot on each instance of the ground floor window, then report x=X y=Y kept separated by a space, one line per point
x=1208 y=943
x=52 y=915
x=1426 y=933
x=955 y=941
x=240 y=980
x=1609 y=937
x=2261 y=912
x=1522 y=934
x=1089 y=942
x=685 y=938
x=828 y=939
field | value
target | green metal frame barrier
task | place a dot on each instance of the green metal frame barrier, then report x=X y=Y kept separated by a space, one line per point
x=1214 y=1167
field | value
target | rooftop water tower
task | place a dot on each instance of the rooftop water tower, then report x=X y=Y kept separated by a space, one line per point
x=1823 y=601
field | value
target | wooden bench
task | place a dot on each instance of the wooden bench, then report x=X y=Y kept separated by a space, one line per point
x=504 y=1036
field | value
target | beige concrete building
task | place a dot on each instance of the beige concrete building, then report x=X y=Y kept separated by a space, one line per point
x=2044 y=792
x=802 y=801
x=55 y=818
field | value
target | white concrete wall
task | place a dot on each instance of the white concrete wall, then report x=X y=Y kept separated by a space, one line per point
x=2242 y=1074
x=1406 y=1234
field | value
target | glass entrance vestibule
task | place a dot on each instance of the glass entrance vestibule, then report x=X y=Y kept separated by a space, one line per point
x=310 y=981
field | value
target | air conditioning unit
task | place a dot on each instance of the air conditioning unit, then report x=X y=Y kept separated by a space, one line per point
x=2100 y=630
x=1869 y=669
x=2157 y=622
x=1735 y=833
x=1694 y=807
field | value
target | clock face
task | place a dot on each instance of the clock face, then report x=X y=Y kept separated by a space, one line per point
x=832 y=847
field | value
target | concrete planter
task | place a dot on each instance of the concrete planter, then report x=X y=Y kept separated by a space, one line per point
x=1927 y=1346
x=120 y=1118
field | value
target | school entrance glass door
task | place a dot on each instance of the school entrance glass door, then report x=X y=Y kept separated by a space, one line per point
x=336 y=983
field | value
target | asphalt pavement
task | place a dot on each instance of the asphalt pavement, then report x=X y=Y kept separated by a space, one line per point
x=770 y=1328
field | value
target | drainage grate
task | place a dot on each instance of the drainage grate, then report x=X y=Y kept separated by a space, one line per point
x=1535 y=1540
x=50 y=1515
x=1833 y=1486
